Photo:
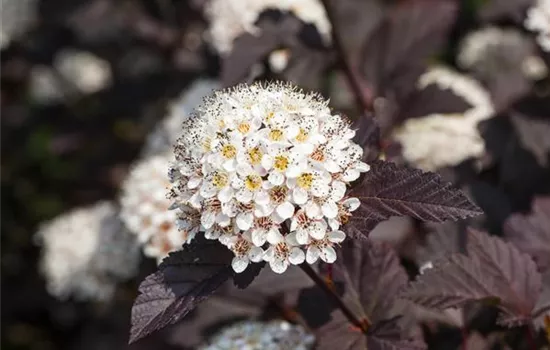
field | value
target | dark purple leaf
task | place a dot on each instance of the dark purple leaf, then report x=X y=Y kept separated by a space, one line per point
x=230 y=304
x=505 y=9
x=398 y=51
x=388 y=190
x=533 y=135
x=531 y=233
x=185 y=278
x=367 y=135
x=493 y=271
x=372 y=277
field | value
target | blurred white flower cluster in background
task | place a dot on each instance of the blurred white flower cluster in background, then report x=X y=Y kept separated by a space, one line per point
x=86 y=251
x=493 y=51
x=74 y=71
x=231 y=18
x=144 y=208
x=538 y=21
x=264 y=170
x=16 y=16
x=255 y=335
x=439 y=140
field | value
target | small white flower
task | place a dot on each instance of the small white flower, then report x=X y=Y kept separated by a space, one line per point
x=254 y=160
x=430 y=142
x=245 y=252
x=538 y=20
x=323 y=248
x=283 y=252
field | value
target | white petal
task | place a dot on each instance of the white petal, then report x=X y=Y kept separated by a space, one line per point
x=291 y=240
x=285 y=210
x=338 y=190
x=276 y=178
x=244 y=221
x=259 y=237
x=334 y=224
x=239 y=264
x=330 y=210
x=328 y=255
x=223 y=220
x=269 y=254
x=267 y=161
x=336 y=236
x=226 y=194
x=274 y=236
x=299 y=196
x=256 y=254
x=194 y=182
x=278 y=266
x=208 y=219
x=351 y=175
x=352 y=203
x=296 y=256
x=312 y=254
x=331 y=166
x=207 y=190
x=301 y=236
x=320 y=189
x=244 y=195
x=261 y=197
x=230 y=165
x=318 y=229
x=312 y=210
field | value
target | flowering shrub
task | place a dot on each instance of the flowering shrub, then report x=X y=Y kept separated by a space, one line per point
x=264 y=170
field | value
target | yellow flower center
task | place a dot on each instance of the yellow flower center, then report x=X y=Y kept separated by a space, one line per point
x=220 y=180
x=229 y=151
x=302 y=136
x=305 y=180
x=269 y=116
x=253 y=182
x=221 y=124
x=255 y=155
x=275 y=135
x=243 y=128
x=280 y=163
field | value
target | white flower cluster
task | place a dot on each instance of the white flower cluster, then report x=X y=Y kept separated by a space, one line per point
x=440 y=140
x=164 y=136
x=86 y=251
x=145 y=208
x=538 y=20
x=231 y=18
x=84 y=70
x=16 y=16
x=264 y=170
x=493 y=51
x=254 y=335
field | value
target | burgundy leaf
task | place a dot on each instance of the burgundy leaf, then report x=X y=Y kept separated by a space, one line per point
x=388 y=190
x=533 y=135
x=372 y=277
x=531 y=233
x=185 y=278
x=509 y=9
x=412 y=33
x=493 y=271
x=230 y=303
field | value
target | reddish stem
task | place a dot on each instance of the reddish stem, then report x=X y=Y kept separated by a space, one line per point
x=361 y=324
